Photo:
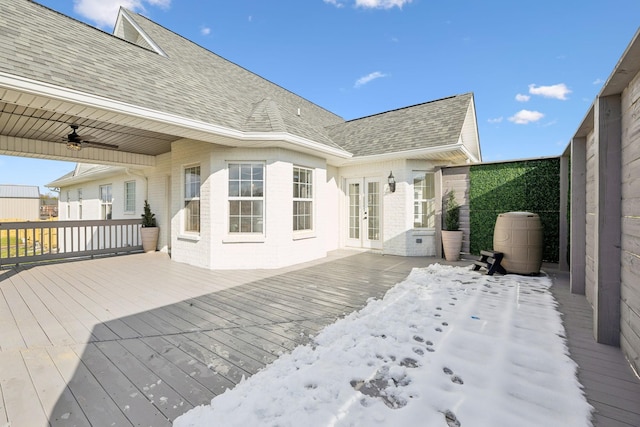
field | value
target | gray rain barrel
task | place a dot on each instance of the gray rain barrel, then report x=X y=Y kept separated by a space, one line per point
x=518 y=235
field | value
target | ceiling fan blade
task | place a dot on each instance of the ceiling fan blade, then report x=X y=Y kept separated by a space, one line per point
x=99 y=145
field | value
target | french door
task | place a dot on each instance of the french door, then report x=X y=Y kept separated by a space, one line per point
x=363 y=201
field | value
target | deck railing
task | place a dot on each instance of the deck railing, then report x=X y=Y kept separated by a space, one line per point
x=48 y=240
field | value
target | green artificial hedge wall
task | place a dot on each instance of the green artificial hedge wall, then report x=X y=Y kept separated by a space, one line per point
x=528 y=185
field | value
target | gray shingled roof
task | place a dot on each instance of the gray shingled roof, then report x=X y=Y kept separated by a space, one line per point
x=190 y=82
x=41 y=44
x=19 y=192
x=427 y=125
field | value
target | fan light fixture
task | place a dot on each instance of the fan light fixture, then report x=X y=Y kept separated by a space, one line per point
x=74 y=146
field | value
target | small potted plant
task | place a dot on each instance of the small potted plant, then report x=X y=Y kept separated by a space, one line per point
x=451 y=235
x=149 y=231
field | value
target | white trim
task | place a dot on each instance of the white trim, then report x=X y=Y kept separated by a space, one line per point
x=409 y=154
x=124 y=14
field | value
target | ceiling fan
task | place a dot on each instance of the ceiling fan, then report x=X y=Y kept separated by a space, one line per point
x=75 y=142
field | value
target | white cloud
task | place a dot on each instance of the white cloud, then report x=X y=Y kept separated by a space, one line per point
x=522 y=98
x=336 y=3
x=368 y=78
x=381 y=4
x=524 y=117
x=598 y=81
x=559 y=91
x=205 y=31
x=104 y=12
x=371 y=4
x=496 y=120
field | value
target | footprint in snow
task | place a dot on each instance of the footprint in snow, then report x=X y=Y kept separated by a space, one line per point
x=451 y=419
x=454 y=378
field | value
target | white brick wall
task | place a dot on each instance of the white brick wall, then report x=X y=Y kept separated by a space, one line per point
x=214 y=247
x=91 y=205
x=191 y=248
x=399 y=237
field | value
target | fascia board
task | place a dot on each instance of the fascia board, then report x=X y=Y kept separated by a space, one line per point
x=421 y=152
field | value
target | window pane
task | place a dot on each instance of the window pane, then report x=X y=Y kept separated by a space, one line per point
x=302 y=193
x=245 y=172
x=192 y=215
x=192 y=201
x=234 y=189
x=234 y=208
x=424 y=200
x=234 y=171
x=192 y=182
x=257 y=189
x=130 y=196
x=246 y=186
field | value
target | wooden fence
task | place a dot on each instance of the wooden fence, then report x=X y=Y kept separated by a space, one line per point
x=48 y=240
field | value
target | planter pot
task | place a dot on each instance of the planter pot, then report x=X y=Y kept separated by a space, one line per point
x=149 y=238
x=452 y=244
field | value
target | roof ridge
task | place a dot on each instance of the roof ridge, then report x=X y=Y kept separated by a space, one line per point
x=406 y=107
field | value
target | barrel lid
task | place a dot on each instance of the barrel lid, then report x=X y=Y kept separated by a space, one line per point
x=519 y=214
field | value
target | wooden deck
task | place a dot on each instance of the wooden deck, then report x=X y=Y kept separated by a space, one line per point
x=609 y=383
x=139 y=339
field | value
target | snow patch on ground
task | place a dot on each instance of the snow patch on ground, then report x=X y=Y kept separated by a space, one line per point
x=446 y=347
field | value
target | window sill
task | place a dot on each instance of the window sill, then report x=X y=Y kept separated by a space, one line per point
x=301 y=235
x=189 y=237
x=244 y=238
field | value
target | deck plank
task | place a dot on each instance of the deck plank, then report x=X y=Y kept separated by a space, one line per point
x=609 y=383
x=27 y=324
x=87 y=389
x=10 y=338
x=38 y=284
x=133 y=388
x=199 y=371
x=55 y=397
x=62 y=297
x=20 y=397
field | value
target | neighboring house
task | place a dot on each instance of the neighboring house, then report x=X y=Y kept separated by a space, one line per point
x=605 y=207
x=100 y=192
x=48 y=208
x=240 y=172
x=19 y=202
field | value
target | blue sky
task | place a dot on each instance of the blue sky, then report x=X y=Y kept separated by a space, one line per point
x=534 y=67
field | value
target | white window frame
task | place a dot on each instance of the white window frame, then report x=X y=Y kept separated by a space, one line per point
x=129 y=199
x=419 y=200
x=300 y=196
x=106 y=203
x=191 y=195
x=254 y=195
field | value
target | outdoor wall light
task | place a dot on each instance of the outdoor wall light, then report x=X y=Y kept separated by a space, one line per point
x=392 y=182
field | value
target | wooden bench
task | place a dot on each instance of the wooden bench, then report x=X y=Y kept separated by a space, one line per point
x=491 y=261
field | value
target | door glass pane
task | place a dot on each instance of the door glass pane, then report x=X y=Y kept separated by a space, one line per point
x=354 y=211
x=373 y=210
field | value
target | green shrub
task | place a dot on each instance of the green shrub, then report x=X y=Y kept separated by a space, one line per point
x=528 y=185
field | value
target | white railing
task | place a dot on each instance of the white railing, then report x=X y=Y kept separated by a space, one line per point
x=47 y=240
